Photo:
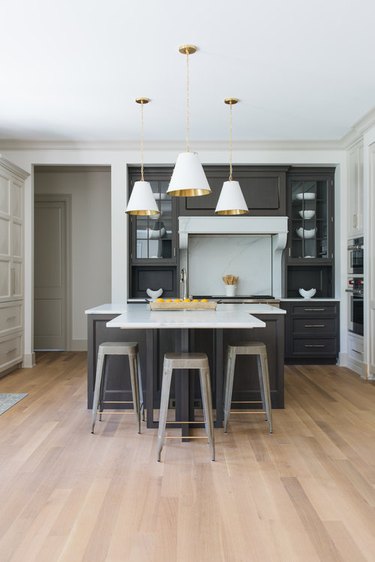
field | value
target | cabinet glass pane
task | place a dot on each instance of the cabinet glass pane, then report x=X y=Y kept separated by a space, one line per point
x=153 y=235
x=309 y=220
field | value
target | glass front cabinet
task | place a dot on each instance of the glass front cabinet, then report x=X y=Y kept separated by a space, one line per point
x=153 y=240
x=310 y=251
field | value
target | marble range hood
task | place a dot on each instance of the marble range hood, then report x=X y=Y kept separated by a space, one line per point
x=274 y=226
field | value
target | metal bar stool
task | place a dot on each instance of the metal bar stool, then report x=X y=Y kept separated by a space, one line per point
x=130 y=349
x=248 y=348
x=186 y=361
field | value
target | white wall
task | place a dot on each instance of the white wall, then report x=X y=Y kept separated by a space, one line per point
x=91 y=237
x=119 y=157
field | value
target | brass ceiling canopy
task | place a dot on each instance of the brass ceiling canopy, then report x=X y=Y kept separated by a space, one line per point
x=231 y=101
x=188 y=49
x=143 y=101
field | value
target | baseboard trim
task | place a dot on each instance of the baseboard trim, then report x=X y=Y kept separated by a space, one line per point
x=29 y=361
x=78 y=345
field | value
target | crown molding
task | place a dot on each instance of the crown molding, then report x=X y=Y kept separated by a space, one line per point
x=177 y=146
x=13 y=168
x=358 y=129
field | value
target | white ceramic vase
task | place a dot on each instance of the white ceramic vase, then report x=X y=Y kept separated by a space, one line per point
x=230 y=290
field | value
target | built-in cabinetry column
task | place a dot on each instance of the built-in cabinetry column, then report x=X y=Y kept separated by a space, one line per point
x=12 y=181
x=355 y=229
x=355 y=192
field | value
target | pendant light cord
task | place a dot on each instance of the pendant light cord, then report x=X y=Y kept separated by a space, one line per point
x=230 y=141
x=142 y=142
x=187 y=103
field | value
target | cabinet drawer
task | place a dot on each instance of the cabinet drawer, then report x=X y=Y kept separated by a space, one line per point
x=312 y=347
x=315 y=325
x=10 y=318
x=355 y=348
x=10 y=351
x=312 y=310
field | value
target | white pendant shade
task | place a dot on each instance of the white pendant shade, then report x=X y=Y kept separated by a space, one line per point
x=231 y=200
x=142 y=200
x=188 y=178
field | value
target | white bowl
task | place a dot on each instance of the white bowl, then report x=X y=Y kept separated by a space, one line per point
x=306 y=233
x=306 y=214
x=305 y=196
x=154 y=294
x=307 y=294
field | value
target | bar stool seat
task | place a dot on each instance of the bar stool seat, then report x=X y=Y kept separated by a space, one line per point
x=129 y=349
x=186 y=361
x=258 y=349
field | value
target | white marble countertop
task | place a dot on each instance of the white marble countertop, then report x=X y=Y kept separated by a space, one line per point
x=225 y=316
x=141 y=308
x=142 y=317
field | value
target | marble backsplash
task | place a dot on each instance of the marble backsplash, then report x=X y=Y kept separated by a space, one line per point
x=249 y=257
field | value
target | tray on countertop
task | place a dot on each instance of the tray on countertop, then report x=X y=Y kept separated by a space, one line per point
x=181 y=305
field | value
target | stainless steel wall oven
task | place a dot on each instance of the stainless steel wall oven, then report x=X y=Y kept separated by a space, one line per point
x=355 y=256
x=355 y=292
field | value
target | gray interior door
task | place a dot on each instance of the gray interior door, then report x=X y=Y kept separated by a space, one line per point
x=50 y=279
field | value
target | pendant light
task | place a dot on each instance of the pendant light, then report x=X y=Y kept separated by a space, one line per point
x=188 y=178
x=231 y=200
x=142 y=201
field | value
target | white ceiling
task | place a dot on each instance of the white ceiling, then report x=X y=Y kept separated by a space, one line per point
x=71 y=70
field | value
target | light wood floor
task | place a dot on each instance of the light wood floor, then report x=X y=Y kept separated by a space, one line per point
x=305 y=493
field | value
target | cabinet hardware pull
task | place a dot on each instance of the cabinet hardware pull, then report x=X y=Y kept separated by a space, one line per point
x=315 y=325
x=314 y=345
x=314 y=309
x=11 y=350
x=10 y=318
x=355 y=351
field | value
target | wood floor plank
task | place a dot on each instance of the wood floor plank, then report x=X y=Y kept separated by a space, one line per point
x=306 y=492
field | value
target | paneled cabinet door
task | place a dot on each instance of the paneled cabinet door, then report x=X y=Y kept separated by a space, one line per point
x=355 y=190
x=11 y=241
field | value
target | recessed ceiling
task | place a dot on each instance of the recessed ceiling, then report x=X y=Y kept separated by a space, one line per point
x=71 y=70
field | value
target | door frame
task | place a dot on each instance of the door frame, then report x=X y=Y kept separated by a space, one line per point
x=65 y=198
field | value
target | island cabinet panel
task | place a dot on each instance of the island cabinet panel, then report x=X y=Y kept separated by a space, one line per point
x=153 y=344
x=264 y=189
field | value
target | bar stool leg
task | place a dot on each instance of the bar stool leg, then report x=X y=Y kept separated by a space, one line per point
x=140 y=387
x=231 y=364
x=98 y=387
x=204 y=375
x=163 y=412
x=135 y=390
x=261 y=385
x=266 y=386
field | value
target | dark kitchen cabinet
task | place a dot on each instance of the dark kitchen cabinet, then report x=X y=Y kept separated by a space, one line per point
x=153 y=241
x=264 y=189
x=310 y=250
x=312 y=331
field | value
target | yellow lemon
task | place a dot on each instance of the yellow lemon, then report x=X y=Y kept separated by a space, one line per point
x=204 y=300
x=186 y=300
x=159 y=300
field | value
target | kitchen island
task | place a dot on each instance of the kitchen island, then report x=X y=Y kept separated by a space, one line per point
x=202 y=331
